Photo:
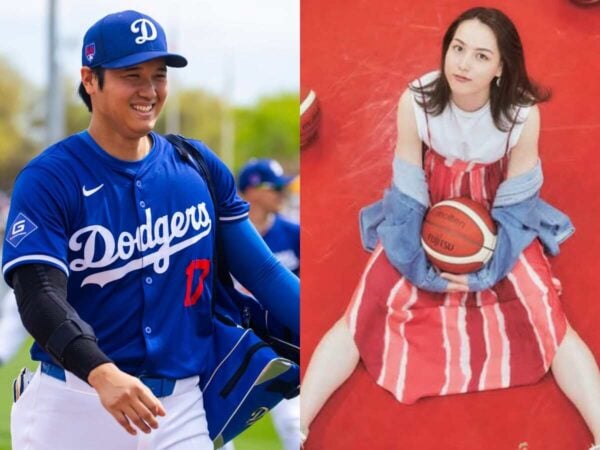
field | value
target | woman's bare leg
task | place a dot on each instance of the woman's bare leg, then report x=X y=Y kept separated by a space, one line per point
x=576 y=372
x=333 y=361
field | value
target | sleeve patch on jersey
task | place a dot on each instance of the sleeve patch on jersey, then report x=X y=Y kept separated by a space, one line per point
x=21 y=227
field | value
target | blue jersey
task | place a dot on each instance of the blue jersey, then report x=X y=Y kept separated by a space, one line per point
x=135 y=240
x=283 y=238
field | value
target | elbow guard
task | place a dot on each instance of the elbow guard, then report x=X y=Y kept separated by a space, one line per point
x=68 y=331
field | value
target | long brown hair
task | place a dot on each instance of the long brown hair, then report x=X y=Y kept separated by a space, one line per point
x=515 y=88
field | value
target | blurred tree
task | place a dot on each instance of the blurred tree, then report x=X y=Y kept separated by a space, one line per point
x=16 y=147
x=269 y=129
x=201 y=116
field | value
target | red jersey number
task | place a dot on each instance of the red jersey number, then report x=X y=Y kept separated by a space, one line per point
x=195 y=266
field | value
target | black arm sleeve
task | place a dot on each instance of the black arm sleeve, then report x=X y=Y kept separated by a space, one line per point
x=41 y=292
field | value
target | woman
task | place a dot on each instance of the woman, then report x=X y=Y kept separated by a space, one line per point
x=420 y=333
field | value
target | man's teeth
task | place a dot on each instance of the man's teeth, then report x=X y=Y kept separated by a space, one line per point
x=142 y=108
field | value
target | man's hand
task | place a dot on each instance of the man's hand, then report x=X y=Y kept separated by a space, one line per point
x=456 y=283
x=126 y=398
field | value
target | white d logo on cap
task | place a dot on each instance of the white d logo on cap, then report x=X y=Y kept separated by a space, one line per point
x=146 y=28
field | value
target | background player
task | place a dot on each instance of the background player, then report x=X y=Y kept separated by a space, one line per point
x=109 y=249
x=263 y=185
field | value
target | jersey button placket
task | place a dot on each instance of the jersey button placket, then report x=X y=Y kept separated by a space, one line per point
x=139 y=193
x=145 y=272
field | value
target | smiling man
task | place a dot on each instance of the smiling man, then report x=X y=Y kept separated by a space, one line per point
x=110 y=253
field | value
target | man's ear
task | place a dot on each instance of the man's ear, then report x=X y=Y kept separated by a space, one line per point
x=89 y=80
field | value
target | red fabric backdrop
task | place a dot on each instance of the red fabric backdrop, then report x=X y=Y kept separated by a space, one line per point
x=358 y=56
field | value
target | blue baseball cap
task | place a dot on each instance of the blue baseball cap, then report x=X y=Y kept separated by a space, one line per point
x=125 y=39
x=262 y=173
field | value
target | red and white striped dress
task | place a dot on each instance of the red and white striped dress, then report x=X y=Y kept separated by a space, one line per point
x=417 y=343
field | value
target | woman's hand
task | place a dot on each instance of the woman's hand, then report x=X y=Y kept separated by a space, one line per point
x=456 y=283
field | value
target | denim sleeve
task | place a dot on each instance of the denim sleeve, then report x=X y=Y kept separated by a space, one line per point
x=515 y=190
x=517 y=227
x=400 y=236
x=369 y=218
x=410 y=181
x=517 y=219
x=252 y=263
x=555 y=227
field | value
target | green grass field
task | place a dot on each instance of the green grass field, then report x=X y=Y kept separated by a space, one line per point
x=260 y=436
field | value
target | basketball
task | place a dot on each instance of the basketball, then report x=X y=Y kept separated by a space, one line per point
x=458 y=235
x=310 y=116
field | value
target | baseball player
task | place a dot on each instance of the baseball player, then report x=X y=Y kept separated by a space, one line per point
x=262 y=183
x=109 y=249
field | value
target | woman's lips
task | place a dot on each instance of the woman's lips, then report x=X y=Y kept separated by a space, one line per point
x=461 y=79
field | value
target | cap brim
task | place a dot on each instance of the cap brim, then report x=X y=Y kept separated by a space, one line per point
x=171 y=60
x=284 y=180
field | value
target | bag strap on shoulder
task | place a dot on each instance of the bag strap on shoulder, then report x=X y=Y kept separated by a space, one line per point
x=193 y=156
x=190 y=154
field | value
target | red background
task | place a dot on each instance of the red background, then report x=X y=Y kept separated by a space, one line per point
x=358 y=56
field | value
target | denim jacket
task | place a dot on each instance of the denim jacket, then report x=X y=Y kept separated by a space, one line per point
x=520 y=215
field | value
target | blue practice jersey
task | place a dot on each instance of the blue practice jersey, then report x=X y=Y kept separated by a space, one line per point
x=135 y=240
x=283 y=238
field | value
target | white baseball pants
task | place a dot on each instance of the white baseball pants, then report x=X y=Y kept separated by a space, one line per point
x=67 y=415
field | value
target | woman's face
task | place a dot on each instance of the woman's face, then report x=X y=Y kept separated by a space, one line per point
x=473 y=59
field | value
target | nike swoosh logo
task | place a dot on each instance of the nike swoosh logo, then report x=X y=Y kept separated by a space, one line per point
x=89 y=192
